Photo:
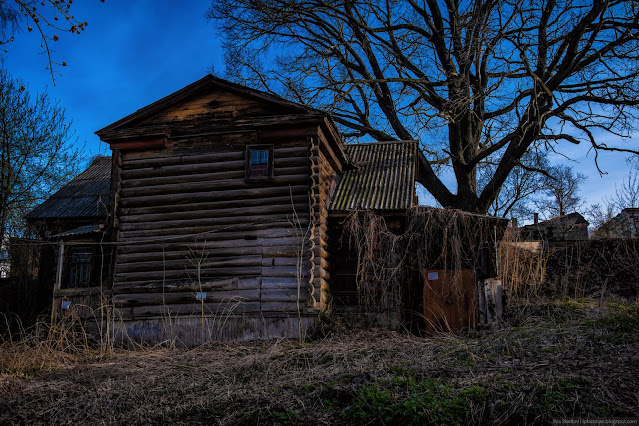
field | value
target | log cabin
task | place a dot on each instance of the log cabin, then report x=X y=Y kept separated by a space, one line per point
x=225 y=215
x=219 y=198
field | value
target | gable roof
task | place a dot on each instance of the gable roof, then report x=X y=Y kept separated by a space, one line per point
x=208 y=82
x=566 y=219
x=384 y=179
x=87 y=195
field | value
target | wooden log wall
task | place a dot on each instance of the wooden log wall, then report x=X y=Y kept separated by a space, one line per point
x=190 y=222
x=325 y=167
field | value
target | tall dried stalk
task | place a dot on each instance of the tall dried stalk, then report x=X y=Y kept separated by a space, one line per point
x=430 y=238
x=522 y=266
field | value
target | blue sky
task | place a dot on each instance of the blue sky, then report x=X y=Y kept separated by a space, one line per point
x=135 y=52
x=131 y=54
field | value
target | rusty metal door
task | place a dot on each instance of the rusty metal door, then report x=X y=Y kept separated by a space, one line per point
x=449 y=300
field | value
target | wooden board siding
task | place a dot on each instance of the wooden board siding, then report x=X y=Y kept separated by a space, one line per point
x=190 y=222
x=216 y=109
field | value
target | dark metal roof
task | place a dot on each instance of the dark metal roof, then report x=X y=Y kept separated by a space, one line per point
x=87 y=195
x=566 y=219
x=384 y=179
x=82 y=230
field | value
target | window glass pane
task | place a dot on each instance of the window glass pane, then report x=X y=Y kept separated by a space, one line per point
x=80 y=268
x=259 y=163
x=259 y=157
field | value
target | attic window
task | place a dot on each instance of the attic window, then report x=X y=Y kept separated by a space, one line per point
x=259 y=162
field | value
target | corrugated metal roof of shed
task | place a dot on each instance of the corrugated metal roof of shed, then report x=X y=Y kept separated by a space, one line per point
x=82 y=230
x=384 y=179
x=87 y=195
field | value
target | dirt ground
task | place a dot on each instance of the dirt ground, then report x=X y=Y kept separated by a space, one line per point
x=551 y=360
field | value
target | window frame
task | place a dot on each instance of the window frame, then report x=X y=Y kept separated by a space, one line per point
x=84 y=267
x=249 y=166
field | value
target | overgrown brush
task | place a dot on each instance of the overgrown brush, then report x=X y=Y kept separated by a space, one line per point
x=554 y=359
x=522 y=268
x=27 y=351
x=389 y=258
x=594 y=268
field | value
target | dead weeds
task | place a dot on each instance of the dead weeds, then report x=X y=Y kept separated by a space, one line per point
x=554 y=359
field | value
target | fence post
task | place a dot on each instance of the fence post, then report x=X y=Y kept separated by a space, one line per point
x=58 y=279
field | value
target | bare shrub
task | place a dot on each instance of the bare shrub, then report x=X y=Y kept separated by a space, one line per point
x=442 y=239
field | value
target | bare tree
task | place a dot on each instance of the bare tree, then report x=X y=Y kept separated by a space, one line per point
x=627 y=194
x=599 y=214
x=471 y=80
x=35 y=153
x=528 y=179
x=562 y=191
x=49 y=18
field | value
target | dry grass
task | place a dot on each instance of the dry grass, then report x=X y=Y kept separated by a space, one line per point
x=553 y=359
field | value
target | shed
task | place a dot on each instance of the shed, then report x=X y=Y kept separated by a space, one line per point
x=76 y=268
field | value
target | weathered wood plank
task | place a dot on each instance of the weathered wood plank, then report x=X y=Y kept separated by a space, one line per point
x=167 y=158
x=160 y=256
x=238 y=234
x=283 y=295
x=289 y=207
x=277 y=306
x=196 y=174
x=185 y=177
x=215 y=223
x=207 y=309
x=281 y=283
x=165 y=286
x=292 y=250
x=282 y=271
x=195 y=197
x=279 y=261
x=205 y=262
x=153 y=161
x=223 y=207
x=275 y=243
x=220 y=187
x=174 y=286
x=190 y=273
x=329 y=155
x=217 y=296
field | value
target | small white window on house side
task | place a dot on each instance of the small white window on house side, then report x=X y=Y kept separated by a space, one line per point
x=259 y=162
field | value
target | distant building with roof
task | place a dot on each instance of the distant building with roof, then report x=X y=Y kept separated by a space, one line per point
x=568 y=227
x=624 y=225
